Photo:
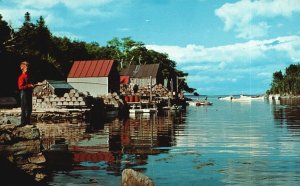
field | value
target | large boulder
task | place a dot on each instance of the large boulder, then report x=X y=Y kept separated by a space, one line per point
x=134 y=178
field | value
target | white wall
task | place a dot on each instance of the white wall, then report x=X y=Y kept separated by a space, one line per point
x=94 y=85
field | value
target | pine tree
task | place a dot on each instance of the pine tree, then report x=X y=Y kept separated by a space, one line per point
x=5 y=34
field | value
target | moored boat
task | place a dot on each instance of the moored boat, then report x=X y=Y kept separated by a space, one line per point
x=258 y=98
x=137 y=109
x=242 y=98
x=199 y=103
x=203 y=103
x=226 y=98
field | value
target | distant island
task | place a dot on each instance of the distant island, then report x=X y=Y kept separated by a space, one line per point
x=287 y=83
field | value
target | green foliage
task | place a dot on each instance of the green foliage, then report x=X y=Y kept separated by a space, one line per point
x=4 y=34
x=51 y=57
x=288 y=83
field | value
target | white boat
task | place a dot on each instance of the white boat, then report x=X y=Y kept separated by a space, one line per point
x=137 y=109
x=227 y=98
x=199 y=103
x=203 y=103
x=192 y=103
x=242 y=98
x=257 y=98
x=173 y=107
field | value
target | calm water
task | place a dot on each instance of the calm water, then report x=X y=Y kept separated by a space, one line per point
x=228 y=143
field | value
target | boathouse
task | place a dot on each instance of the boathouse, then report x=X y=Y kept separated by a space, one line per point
x=142 y=75
x=98 y=77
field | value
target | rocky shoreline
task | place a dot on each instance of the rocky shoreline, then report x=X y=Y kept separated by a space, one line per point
x=21 y=157
x=21 y=153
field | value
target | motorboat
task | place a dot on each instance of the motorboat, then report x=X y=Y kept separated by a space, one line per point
x=203 y=103
x=226 y=98
x=249 y=98
x=242 y=98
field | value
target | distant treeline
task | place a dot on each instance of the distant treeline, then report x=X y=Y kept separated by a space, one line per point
x=51 y=57
x=287 y=83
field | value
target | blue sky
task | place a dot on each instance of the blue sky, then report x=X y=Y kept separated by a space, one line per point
x=226 y=46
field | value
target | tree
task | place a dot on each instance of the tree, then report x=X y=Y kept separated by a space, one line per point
x=25 y=37
x=122 y=49
x=51 y=57
x=288 y=83
x=5 y=34
x=42 y=37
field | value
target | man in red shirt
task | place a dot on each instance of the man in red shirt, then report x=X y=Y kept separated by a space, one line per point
x=25 y=87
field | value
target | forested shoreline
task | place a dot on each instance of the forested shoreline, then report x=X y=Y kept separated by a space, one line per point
x=287 y=83
x=51 y=56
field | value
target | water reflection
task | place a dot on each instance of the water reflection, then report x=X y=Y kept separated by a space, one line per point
x=113 y=146
x=225 y=144
x=287 y=114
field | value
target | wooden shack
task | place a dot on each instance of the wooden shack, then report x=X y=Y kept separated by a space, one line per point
x=142 y=75
x=98 y=77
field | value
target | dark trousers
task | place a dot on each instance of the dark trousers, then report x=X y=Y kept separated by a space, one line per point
x=26 y=106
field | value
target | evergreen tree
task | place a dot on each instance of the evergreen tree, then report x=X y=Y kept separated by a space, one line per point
x=25 y=37
x=5 y=36
x=42 y=37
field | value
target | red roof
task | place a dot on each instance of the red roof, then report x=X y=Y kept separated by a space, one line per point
x=124 y=80
x=91 y=68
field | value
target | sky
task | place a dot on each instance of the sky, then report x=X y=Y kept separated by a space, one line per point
x=227 y=46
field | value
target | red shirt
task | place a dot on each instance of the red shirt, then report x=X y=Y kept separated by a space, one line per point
x=23 y=82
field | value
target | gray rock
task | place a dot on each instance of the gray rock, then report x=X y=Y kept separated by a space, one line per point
x=23 y=147
x=5 y=138
x=26 y=132
x=9 y=119
x=7 y=128
x=30 y=167
x=133 y=178
x=37 y=159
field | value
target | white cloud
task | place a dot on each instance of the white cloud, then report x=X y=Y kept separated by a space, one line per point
x=253 y=30
x=10 y=15
x=68 y=35
x=244 y=66
x=12 y=10
x=240 y=16
x=239 y=52
x=209 y=79
x=38 y=4
x=72 y=4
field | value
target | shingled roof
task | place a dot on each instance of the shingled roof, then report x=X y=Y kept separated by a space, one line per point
x=141 y=71
x=91 y=68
